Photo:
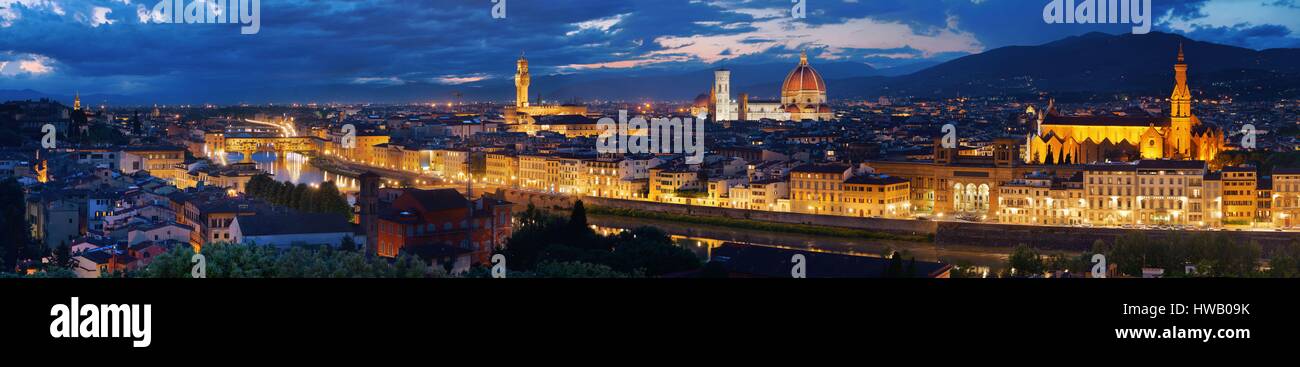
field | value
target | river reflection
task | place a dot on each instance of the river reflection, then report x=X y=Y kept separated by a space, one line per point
x=702 y=239
x=296 y=168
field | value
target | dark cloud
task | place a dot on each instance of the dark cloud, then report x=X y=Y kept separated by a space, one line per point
x=336 y=45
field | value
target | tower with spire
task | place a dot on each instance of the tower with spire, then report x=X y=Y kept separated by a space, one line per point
x=1181 y=120
x=76 y=102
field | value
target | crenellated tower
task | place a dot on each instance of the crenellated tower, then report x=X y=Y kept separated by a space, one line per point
x=522 y=80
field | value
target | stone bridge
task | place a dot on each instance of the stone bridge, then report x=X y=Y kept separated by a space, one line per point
x=249 y=145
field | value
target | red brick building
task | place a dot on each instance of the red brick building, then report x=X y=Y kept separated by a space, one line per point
x=437 y=225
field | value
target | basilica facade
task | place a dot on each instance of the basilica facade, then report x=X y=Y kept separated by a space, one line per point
x=803 y=97
x=1059 y=139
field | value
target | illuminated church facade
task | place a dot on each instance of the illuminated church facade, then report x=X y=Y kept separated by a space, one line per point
x=803 y=97
x=1059 y=139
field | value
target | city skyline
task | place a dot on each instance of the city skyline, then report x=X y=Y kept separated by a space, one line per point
x=347 y=52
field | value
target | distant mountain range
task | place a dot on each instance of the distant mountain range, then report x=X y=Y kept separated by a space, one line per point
x=1093 y=63
x=1087 y=66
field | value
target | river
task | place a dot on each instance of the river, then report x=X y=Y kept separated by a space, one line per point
x=296 y=168
x=703 y=238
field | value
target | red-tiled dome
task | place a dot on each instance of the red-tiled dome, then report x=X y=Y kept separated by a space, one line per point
x=702 y=100
x=803 y=78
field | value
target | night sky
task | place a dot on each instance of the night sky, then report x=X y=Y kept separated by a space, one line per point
x=107 y=47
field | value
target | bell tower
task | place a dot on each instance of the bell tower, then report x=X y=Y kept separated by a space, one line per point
x=522 y=80
x=1180 y=112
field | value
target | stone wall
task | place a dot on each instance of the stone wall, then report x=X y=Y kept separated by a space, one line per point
x=896 y=226
x=946 y=233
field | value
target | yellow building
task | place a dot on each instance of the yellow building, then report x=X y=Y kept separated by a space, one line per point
x=767 y=194
x=1043 y=200
x=1286 y=197
x=1170 y=193
x=161 y=162
x=450 y=164
x=600 y=178
x=668 y=182
x=953 y=184
x=532 y=172
x=1062 y=139
x=1111 y=194
x=877 y=196
x=363 y=152
x=818 y=188
x=1239 y=196
x=568 y=174
x=502 y=169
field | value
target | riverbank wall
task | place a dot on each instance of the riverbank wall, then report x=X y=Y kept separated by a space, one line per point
x=945 y=233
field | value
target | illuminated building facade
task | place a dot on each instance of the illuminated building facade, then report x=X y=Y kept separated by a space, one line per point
x=1239 y=198
x=817 y=189
x=803 y=97
x=1286 y=197
x=524 y=113
x=877 y=196
x=1060 y=139
x=1043 y=200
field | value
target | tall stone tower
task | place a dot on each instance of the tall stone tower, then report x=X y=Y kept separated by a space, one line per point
x=368 y=199
x=76 y=102
x=1180 y=111
x=522 y=80
x=726 y=110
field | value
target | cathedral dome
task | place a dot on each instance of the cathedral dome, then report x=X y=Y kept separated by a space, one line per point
x=702 y=100
x=803 y=78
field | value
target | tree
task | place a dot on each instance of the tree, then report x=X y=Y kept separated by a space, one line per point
x=573 y=270
x=1026 y=261
x=63 y=256
x=578 y=218
x=650 y=250
x=895 y=267
x=253 y=261
x=348 y=244
x=15 y=233
x=300 y=198
x=328 y=199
